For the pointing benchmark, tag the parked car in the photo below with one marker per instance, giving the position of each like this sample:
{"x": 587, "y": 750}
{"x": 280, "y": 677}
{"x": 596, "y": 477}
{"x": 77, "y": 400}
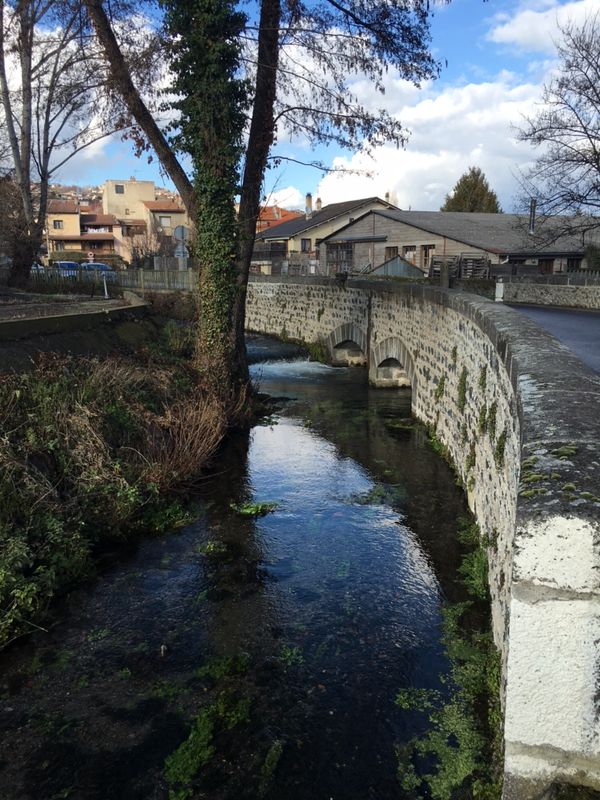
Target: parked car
{"x": 36, "y": 268}
{"x": 67, "y": 269}
{"x": 97, "y": 265}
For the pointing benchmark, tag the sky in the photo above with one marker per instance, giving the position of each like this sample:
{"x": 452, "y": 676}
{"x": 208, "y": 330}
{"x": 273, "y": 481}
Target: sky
{"x": 495, "y": 56}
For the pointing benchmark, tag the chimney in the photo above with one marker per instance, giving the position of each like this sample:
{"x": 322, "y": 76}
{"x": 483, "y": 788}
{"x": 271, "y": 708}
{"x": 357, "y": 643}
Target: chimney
{"x": 308, "y": 208}
{"x": 532, "y": 205}
{"x": 318, "y": 203}
{"x": 387, "y": 197}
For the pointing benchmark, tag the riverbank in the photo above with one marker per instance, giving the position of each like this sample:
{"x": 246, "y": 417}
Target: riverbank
{"x": 93, "y": 452}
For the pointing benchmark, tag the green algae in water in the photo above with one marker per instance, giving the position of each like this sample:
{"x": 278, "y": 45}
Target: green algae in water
{"x": 458, "y": 739}
{"x": 185, "y": 763}
{"x": 253, "y": 509}
{"x": 182, "y": 766}
{"x": 269, "y": 766}
{"x": 218, "y": 668}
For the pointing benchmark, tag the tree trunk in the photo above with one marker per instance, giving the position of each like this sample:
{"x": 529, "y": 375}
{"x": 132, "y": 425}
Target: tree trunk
{"x": 136, "y": 106}
{"x": 260, "y": 139}
{"x": 24, "y": 251}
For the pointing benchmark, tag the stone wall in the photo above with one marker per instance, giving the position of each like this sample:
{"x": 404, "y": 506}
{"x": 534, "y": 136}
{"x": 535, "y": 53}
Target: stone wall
{"x": 520, "y": 416}
{"x": 543, "y": 294}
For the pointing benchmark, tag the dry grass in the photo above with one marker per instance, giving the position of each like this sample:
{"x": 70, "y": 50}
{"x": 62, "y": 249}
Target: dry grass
{"x": 182, "y": 441}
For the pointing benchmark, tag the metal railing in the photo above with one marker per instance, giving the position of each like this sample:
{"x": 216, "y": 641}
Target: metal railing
{"x": 144, "y": 280}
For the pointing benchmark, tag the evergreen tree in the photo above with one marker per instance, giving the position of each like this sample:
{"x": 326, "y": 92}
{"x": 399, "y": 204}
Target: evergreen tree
{"x": 472, "y": 193}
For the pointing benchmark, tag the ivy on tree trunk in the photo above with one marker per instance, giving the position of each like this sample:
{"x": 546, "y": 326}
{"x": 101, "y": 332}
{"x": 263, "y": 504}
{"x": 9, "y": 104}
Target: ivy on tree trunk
{"x": 206, "y": 60}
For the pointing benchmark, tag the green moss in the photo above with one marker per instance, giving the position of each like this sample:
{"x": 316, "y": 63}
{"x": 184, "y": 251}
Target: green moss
{"x": 589, "y": 496}
{"x": 565, "y": 452}
{"x": 533, "y": 477}
{"x": 482, "y": 421}
{"x": 527, "y": 493}
{"x": 317, "y": 352}
{"x": 439, "y": 389}
{"x": 569, "y": 487}
{"x": 482, "y": 382}
{"x": 462, "y": 389}
{"x": 491, "y": 420}
{"x": 471, "y": 458}
{"x": 499, "y": 450}
{"x": 529, "y": 463}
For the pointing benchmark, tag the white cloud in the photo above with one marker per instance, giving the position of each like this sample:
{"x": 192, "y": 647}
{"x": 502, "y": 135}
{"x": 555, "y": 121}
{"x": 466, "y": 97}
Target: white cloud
{"x": 289, "y": 197}
{"x": 535, "y": 26}
{"x": 451, "y": 130}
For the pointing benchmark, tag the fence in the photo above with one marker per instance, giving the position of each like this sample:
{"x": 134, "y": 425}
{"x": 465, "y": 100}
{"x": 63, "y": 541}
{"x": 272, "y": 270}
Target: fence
{"x": 580, "y": 278}
{"x": 143, "y": 280}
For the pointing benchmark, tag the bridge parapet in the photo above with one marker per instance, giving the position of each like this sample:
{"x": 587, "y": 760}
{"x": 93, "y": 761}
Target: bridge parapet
{"x": 520, "y": 416}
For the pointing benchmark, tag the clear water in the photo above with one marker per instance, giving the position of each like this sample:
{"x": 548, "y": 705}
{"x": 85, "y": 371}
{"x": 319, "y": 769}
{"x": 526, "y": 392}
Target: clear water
{"x": 332, "y": 602}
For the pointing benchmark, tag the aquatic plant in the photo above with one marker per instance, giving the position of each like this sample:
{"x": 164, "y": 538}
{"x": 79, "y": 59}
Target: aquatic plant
{"x": 461, "y": 750}
{"x": 184, "y": 764}
{"x": 253, "y": 509}
{"x": 269, "y": 766}
{"x": 291, "y": 656}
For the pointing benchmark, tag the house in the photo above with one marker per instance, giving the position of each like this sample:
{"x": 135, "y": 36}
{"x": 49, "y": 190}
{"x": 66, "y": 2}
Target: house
{"x": 73, "y": 228}
{"x": 270, "y": 216}
{"x": 147, "y": 221}
{"x": 293, "y": 246}
{"x": 425, "y": 237}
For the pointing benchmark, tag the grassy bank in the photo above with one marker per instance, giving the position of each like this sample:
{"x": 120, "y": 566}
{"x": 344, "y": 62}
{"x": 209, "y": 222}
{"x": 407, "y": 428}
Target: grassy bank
{"x": 92, "y": 452}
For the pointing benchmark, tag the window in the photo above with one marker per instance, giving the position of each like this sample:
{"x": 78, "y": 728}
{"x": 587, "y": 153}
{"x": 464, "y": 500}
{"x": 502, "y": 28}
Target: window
{"x": 573, "y": 264}
{"x": 427, "y": 250}
{"x": 305, "y": 245}
{"x": 390, "y": 252}
{"x": 119, "y": 188}
{"x": 58, "y": 224}
{"x": 410, "y": 252}
{"x": 340, "y": 257}
{"x": 126, "y": 212}
{"x": 164, "y": 222}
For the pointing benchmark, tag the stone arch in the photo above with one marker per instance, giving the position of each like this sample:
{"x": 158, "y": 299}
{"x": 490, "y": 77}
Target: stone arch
{"x": 391, "y": 364}
{"x": 347, "y": 345}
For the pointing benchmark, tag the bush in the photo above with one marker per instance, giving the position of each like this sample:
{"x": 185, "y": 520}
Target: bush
{"x": 88, "y": 453}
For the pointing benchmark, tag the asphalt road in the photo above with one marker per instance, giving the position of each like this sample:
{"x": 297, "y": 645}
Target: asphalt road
{"x": 578, "y": 330}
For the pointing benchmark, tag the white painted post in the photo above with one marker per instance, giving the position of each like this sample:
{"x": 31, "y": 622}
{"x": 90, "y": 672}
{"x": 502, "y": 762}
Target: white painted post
{"x": 499, "y": 291}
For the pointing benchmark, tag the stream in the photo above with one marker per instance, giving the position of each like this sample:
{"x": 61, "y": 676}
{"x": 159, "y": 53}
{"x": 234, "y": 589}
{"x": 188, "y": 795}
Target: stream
{"x": 281, "y": 640}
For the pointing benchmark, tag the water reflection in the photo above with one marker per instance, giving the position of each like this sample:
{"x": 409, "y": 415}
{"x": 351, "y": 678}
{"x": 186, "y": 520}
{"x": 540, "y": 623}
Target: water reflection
{"x": 334, "y": 599}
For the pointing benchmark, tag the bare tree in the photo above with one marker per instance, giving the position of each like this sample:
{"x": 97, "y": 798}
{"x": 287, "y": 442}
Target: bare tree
{"x": 55, "y": 102}
{"x": 565, "y": 178}
{"x": 298, "y": 61}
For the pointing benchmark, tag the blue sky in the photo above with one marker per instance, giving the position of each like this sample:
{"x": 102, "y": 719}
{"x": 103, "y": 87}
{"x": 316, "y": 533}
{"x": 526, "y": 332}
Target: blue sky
{"x": 495, "y": 58}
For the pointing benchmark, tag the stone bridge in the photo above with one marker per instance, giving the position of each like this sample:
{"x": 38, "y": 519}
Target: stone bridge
{"x": 520, "y": 416}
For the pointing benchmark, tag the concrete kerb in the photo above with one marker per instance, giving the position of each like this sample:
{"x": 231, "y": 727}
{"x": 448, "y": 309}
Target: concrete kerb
{"x": 12, "y": 329}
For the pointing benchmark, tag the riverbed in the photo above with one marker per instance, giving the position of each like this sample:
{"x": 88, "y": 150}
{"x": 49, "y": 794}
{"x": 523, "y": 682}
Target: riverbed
{"x": 281, "y": 640}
